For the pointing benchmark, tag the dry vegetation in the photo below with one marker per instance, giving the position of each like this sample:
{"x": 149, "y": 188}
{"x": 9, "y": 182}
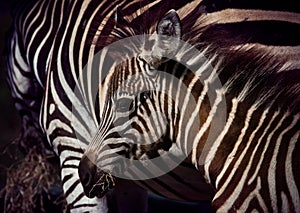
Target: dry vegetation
{"x": 32, "y": 183}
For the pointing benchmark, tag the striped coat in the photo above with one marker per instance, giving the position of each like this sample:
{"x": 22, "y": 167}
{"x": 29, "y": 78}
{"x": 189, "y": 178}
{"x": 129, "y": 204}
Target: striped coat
{"x": 50, "y": 45}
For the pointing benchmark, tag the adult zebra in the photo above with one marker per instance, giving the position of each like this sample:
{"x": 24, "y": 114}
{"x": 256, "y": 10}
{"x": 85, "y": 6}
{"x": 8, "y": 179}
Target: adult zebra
{"x": 237, "y": 123}
{"x": 50, "y": 43}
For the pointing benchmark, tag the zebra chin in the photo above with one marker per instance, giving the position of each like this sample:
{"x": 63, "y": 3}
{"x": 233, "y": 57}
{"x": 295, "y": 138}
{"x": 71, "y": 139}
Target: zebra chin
{"x": 95, "y": 182}
{"x": 103, "y": 183}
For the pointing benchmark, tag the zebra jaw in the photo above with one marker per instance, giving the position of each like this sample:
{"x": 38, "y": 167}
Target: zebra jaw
{"x": 105, "y": 183}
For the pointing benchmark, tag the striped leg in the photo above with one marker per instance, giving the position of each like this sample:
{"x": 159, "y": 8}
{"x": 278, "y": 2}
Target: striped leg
{"x": 27, "y": 95}
{"x": 57, "y": 121}
{"x": 77, "y": 201}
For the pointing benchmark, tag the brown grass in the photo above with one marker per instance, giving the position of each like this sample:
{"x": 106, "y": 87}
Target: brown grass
{"x": 32, "y": 184}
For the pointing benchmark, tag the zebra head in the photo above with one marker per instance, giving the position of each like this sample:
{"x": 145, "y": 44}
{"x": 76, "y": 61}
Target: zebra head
{"x": 136, "y": 109}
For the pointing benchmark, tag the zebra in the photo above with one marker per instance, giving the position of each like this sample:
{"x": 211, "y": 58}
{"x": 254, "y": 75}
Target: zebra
{"x": 48, "y": 47}
{"x": 242, "y": 130}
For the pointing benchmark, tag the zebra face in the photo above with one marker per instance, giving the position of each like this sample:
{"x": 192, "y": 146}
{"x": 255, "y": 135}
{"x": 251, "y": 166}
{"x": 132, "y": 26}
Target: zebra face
{"x": 135, "y": 126}
{"x": 135, "y": 116}
{"x": 135, "y": 112}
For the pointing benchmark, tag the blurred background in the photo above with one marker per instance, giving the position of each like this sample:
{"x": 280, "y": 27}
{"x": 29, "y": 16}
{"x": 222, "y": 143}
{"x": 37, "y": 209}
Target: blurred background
{"x": 9, "y": 119}
{"x": 10, "y": 123}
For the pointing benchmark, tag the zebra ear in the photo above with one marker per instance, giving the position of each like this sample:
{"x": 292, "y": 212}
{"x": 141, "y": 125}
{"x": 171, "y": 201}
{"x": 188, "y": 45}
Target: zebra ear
{"x": 169, "y": 25}
{"x": 119, "y": 20}
{"x": 122, "y": 28}
{"x": 167, "y": 40}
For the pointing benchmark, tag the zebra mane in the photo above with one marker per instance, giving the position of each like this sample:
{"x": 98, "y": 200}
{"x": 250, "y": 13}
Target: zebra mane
{"x": 265, "y": 71}
{"x": 240, "y": 49}
{"x": 244, "y": 53}
{"x": 135, "y": 19}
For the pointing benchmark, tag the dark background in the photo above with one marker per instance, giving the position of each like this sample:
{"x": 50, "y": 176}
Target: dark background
{"x": 9, "y": 119}
{"x": 10, "y": 123}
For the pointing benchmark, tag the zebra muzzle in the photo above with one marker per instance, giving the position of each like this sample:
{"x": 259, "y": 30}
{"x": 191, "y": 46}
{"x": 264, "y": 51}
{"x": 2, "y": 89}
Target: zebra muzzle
{"x": 104, "y": 183}
{"x": 95, "y": 182}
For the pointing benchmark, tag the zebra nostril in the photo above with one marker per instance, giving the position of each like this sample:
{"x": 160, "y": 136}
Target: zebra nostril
{"x": 95, "y": 182}
{"x": 87, "y": 170}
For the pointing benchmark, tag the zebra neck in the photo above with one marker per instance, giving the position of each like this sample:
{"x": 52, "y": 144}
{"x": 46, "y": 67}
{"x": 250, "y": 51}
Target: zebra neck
{"x": 249, "y": 134}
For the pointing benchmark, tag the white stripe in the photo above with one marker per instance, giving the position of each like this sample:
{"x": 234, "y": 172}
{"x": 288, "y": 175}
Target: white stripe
{"x": 273, "y": 164}
{"x": 49, "y": 57}
{"x": 88, "y": 71}
{"x": 238, "y": 189}
{"x": 80, "y": 108}
{"x": 291, "y": 183}
{"x": 101, "y": 205}
{"x": 162, "y": 118}
{"x": 193, "y": 117}
{"x": 32, "y": 21}
{"x": 140, "y": 11}
{"x": 75, "y": 123}
{"x": 37, "y": 53}
{"x": 91, "y": 55}
{"x": 285, "y": 203}
{"x": 107, "y": 158}
{"x": 212, "y": 152}
{"x": 157, "y": 117}
{"x": 36, "y": 29}
{"x": 205, "y": 126}
{"x": 75, "y": 30}
{"x": 187, "y": 8}
{"x": 233, "y": 153}
{"x": 185, "y": 104}
{"x": 17, "y": 54}
{"x": 255, "y": 194}
{"x": 195, "y": 113}
{"x": 17, "y": 80}
{"x": 44, "y": 106}
{"x": 177, "y": 104}
{"x": 238, "y": 142}
{"x": 56, "y": 123}
{"x": 171, "y": 90}
{"x": 68, "y": 141}
{"x": 60, "y": 49}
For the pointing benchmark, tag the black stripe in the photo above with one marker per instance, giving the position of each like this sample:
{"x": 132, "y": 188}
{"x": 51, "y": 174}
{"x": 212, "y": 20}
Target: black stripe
{"x": 59, "y": 131}
{"x": 170, "y": 189}
{"x": 70, "y": 190}
{"x": 182, "y": 181}
{"x": 68, "y": 166}
{"x": 160, "y": 183}
{"x": 61, "y": 148}
{"x": 66, "y": 178}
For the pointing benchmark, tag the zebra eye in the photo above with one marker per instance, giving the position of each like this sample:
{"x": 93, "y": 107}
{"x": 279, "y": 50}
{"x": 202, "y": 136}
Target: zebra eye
{"x": 144, "y": 96}
{"x": 124, "y": 105}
